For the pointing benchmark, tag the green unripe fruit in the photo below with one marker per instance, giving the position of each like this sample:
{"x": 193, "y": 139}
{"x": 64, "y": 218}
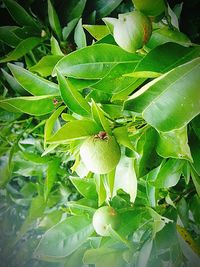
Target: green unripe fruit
{"x": 132, "y": 31}
{"x": 100, "y": 153}
{"x": 103, "y": 217}
{"x": 150, "y": 8}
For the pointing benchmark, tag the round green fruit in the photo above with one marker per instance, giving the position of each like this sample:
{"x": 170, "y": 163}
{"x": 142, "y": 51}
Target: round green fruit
{"x": 100, "y": 153}
{"x": 103, "y": 217}
{"x": 150, "y": 8}
{"x": 132, "y": 31}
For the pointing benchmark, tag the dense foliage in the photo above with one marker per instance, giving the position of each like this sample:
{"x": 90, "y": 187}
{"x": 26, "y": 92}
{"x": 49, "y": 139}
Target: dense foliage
{"x": 100, "y": 134}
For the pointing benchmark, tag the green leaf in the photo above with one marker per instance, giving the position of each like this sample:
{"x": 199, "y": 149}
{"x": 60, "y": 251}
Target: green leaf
{"x": 74, "y": 9}
{"x": 55, "y": 48}
{"x": 169, "y": 173}
{"x": 22, "y": 48}
{"x": 104, "y": 7}
{"x": 121, "y": 134}
{"x": 69, "y": 28}
{"x": 170, "y": 56}
{"x": 125, "y": 169}
{"x": 165, "y": 35}
{"x": 8, "y": 36}
{"x": 51, "y": 176}
{"x": 33, "y": 83}
{"x": 86, "y": 187}
{"x": 45, "y": 65}
{"x": 194, "y": 143}
{"x": 71, "y": 97}
{"x": 14, "y": 84}
{"x": 73, "y": 130}
{"x": 33, "y": 105}
{"x": 49, "y": 126}
{"x": 102, "y": 257}
{"x": 93, "y": 62}
{"x": 99, "y": 117}
{"x": 36, "y": 211}
{"x": 100, "y": 188}
{"x": 54, "y": 20}
{"x": 97, "y": 31}
{"x": 64, "y": 238}
{"x": 174, "y": 144}
{"x": 114, "y": 82}
{"x": 79, "y": 35}
{"x": 145, "y": 147}
{"x": 176, "y": 91}
{"x": 196, "y": 181}
{"x": 19, "y": 14}
{"x": 144, "y": 254}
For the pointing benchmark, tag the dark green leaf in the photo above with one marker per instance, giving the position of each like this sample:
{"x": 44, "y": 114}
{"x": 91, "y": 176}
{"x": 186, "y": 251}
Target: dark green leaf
{"x": 22, "y": 48}
{"x": 54, "y": 20}
{"x": 19, "y": 14}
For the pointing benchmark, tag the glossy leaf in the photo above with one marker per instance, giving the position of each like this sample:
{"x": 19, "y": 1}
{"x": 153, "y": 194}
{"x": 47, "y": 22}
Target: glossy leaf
{"x": 79, "y": 35}
{"x": 73, "y": 130}
{"x": 174, "y": 144}
{"x": 14, "y": 84}
{"x": 19, "y": 14}
{"x": 45, "y": 65}
{"x": 86, "y": 187}
{"x": 55, "y": 48}
{"x": 33, "y": 105}
{"x": 22, "y": 48}
{"x": 175, "y": 91}
{"x": 114, "y": 82}
{"x": 64, "y": 238}
{"x": 93, "y": 62}
{"x": 99, "y": 117}
{"x": 49, "y": 126}
{"x": 54, "y": 20}
{"x": 33, "y": 83}
{"x": 148, "y": 158}
{"x": 97, "y": 31}
{"x": 121, "y": 134}
{"x": 69, "y": 28}
{"x": 104, "y": 7}
{"x": 100, "y": 188}
{"x": 75, "y": 9}
{"x": 170, "y": 56}
{"x": 71, "y": 97}
{"x": 169, "y": 173}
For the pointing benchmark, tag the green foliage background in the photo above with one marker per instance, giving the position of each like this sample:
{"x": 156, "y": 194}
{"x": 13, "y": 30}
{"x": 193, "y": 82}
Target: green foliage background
{"x": 63, "y": 79}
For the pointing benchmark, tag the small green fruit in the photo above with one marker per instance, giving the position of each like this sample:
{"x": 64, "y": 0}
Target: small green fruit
{"x": 100, "y": 153}
{"x": 150, "y": 8}
{"x": 132, "y": 31}
{"x": 103, "y": 217}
